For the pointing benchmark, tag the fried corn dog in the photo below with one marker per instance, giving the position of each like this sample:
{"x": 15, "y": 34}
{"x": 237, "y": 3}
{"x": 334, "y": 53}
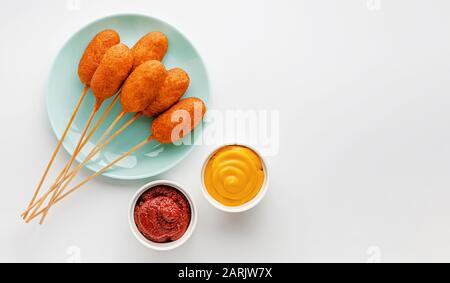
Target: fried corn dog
{"x": 179, "y": 120}
{"x": 94, "y": 52}
{"x": 152, "y": 46}
{"x": 142, "y": 86}
{"x": 113, "y": 70}
{"x": 174, "y": 87}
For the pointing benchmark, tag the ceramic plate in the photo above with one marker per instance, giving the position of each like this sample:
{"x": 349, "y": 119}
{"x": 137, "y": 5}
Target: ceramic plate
{"x": 65, "y": 88}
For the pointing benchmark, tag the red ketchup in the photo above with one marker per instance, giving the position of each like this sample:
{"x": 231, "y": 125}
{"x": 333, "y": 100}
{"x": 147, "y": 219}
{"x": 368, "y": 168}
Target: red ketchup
{"x": 162, "y": 214}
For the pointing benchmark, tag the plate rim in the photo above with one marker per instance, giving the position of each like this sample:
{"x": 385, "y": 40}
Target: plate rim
{"x": 59, "y": 134}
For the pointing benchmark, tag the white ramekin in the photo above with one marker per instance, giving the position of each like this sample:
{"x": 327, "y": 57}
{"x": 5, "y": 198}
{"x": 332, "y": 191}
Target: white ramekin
{"x": 247, "y": 206}
{"x": 162, "y": 246}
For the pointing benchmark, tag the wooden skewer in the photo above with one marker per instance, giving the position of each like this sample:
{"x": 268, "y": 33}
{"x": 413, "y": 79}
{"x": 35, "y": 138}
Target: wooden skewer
{"x": 90, "y": 155}
{"x": 63, "y": 173}
{"x": 77, "y": 148}
{"x": 87, "y": 159}
{"x": 69, "y": 124}
{"x": 100, "y": 144}
{"x": 61, "y": 197}
{"x": 82, "y": 142}
{"x": 81, "y": 146}
{"x": 99, "y": 147}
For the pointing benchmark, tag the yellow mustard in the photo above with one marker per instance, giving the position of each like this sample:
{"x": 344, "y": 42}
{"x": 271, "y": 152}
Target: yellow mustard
{"x": 234, "y": 175}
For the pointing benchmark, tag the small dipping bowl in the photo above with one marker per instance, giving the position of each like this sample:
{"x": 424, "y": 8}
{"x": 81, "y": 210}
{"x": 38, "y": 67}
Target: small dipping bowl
{"x": 243, "y": 207}
{"x": 169, "y": 245}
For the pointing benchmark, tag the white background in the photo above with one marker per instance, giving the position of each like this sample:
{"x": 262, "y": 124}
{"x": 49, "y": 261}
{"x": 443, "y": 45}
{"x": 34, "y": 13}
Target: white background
{"x": 362, "y": 173}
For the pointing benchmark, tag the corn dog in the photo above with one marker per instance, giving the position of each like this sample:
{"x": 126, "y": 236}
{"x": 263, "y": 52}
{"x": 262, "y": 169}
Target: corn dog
{"x": 112, "y": 72}
{"x": 171, "y": 126}
{"x": 174, "y": 87}
{"x": 142, "y": 86}
{"x": 94, "y": 52}
{"x": 152, "y": 46}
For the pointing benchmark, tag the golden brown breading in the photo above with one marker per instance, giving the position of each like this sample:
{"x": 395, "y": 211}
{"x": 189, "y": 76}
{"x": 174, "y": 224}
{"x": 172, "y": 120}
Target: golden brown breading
{"x": 174, "y": 87}
{"x": 152, "y": 46}
{"x": 173, "y": 125}
{"x": 94, "y": 52}
{"x": 142, "y": 86}
{"x": 112, "y": 72}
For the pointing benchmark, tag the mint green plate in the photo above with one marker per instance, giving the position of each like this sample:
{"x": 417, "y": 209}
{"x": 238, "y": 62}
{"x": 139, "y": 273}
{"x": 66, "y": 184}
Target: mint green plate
{"x": 64, "y": 89}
